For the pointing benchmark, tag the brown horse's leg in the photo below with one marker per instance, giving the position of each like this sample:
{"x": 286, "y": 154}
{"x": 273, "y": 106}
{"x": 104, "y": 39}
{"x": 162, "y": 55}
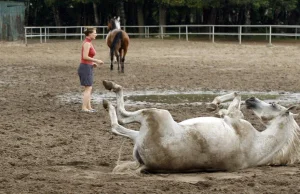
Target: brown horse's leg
{"x": 123, "y": 59}
{"x": 117, "y": 53}
{"x": 111, "y": 59}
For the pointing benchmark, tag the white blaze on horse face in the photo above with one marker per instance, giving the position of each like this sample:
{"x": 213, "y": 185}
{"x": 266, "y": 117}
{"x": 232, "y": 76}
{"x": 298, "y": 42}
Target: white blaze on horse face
{"x": 117, "y": 23}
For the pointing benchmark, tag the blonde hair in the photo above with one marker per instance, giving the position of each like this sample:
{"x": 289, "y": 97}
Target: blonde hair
{"x": 88, "y": 30}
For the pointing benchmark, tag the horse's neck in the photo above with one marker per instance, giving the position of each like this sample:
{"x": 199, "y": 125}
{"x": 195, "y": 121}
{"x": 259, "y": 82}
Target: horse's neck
{"x": 277, "y": 143}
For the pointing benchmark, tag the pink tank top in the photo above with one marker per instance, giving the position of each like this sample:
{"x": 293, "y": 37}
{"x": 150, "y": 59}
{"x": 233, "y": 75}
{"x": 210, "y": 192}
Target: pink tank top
{"x": 92, "y": 52}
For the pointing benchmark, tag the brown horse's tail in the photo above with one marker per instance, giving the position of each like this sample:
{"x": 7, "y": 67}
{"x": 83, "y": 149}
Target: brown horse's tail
{"x": 117, "y": 38}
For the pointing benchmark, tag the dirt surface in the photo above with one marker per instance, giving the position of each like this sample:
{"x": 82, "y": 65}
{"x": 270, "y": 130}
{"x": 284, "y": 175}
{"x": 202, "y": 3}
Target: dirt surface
{"x": 49, "y": 146}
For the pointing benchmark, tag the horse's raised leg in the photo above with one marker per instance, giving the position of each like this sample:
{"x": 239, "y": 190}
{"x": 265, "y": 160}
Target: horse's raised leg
{"x": 233, "y": 109}
{"x": 115, "y": 127}
{"x": 124, "y": 116}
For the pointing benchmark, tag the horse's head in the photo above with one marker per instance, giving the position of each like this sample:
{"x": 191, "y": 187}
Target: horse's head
{"x": 267, "y": 111}
{"x": 114, "y": 23}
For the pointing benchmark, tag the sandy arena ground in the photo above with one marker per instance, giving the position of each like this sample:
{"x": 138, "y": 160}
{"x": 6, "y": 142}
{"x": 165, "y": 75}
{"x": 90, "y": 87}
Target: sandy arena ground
{"x": 49, "y": 146}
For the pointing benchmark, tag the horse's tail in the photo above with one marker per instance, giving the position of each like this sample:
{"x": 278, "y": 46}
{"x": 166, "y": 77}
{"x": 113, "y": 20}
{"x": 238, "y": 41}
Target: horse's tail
{"x": 117, "y": 38}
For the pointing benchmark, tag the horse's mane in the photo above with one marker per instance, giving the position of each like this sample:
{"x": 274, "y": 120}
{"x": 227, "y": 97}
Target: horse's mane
{"x": 290, "y": 152}
{"x": 113, "y": 24}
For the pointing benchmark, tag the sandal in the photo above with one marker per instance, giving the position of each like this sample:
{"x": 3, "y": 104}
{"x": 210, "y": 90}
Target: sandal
{"x": 92, "y": 110}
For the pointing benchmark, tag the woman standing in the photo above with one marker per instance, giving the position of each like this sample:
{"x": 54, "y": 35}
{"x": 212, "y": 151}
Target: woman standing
{"x": 85, "y": 70}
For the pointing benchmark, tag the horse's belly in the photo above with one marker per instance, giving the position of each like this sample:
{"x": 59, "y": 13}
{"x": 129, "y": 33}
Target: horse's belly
{"x": 190, "y": 160}
{"x": 193, "y": 149}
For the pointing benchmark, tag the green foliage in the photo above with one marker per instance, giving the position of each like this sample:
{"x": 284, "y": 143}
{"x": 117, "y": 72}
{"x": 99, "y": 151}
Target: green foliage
{"x": 194, "y": 3}
{"x": 178, "y": 11}
{"x": 287, "y": 5}
{"x": 212, "y": 3}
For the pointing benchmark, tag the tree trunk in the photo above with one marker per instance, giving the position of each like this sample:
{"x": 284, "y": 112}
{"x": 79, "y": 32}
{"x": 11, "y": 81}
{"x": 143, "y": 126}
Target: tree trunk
{"x": 241, "y": 16}
{"x": 247, "y": 18}
{"x": 35, "y": 17}
{"x": 96, "y": 17}
{"x": 162, "y": 17}
{"x": 212, "y": 16}
{"x": 121, "y": 13}
{"x": 56, "y": 17}
{"x": 140, "y": 18}
{"x": 79, "y": 18}
{"x": 27, "y": 9}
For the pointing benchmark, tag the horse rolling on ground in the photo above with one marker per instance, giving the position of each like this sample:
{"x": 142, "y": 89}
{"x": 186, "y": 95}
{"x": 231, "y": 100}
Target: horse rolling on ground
{"x": 206, "y": 143}
{"x": 118, "y": 41}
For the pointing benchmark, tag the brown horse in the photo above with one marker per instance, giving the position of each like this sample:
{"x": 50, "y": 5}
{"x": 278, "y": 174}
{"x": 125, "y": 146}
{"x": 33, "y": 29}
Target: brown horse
{"x": 118, "y": 41}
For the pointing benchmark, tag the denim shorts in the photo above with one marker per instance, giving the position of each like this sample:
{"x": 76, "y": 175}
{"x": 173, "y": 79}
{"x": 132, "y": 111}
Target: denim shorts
{"x": 85, "y": 73}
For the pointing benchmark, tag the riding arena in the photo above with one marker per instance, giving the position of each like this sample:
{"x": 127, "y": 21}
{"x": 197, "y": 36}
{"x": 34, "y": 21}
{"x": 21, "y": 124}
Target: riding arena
{"x": 49, "y": 146}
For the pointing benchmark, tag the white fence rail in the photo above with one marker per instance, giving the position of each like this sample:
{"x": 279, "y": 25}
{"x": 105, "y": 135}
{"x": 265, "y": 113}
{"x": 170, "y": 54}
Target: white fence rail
{"x": 182, "y": 31}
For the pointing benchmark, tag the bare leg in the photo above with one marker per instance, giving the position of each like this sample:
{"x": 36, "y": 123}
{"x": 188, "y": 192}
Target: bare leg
{"x": 86, "y": 101}
{"x": 116, "y": 128}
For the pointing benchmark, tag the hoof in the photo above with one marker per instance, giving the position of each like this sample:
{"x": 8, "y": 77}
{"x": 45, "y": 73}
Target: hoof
{"x": 211, "y": 107}
{"x": 105, "y": 104}
{"x": 108, "y": 85}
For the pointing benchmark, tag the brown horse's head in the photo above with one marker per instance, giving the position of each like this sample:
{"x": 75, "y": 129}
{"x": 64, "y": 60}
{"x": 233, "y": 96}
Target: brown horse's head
{"x": 113, "y": 23}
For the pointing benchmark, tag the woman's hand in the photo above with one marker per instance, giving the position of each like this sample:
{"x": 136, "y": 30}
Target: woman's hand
{"x": 98, "y": 62}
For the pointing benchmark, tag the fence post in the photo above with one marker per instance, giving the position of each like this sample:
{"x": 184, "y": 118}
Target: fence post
{"x": 25, "y": 36}
{"x": 161, "y": 32}
{"x": 296, "y": 32}
{"x": 81, "y": 33}
{"x": 45, "y": 35}
{"x": 65, "y": 33}
{"x": 41, "y": 38}
{"x": 270, "y": 36}
{"x": 186, "y": 33}
{"x": 179, "y": 32}
{"x": 213, "y": 34}
{"x": 240, "y": 34}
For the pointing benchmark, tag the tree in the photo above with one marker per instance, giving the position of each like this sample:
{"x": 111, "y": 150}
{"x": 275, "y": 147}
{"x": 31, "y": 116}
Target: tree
{"x": 140, "y": 14}
{"x": 54, "y": 5}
